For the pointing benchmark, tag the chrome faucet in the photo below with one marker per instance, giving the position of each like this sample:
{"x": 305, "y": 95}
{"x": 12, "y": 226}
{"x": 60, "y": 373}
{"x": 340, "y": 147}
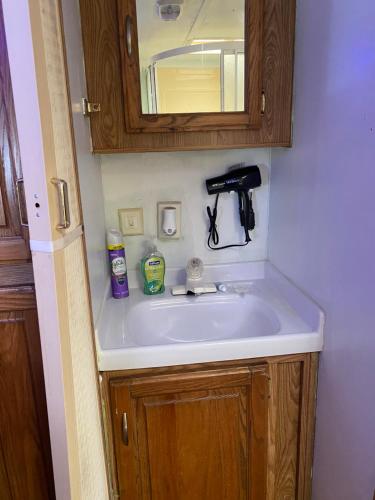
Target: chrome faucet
{"x": 194, "y": 280}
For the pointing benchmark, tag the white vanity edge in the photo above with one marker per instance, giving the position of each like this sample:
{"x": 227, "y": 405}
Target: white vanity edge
{"x": 201, "y": 352}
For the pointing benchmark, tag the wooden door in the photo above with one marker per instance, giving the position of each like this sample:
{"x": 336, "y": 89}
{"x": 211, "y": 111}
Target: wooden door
{"x": 44, "y": 121}
{"x": 14, "y": 243}
{"x": 25, "y": 459}
{"x": 200, "y": 435}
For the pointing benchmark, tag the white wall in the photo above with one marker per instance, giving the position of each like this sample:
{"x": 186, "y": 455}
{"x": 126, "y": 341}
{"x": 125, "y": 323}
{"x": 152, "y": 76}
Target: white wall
{"x": 141, "y": 180}
{"x": 322, "y": 229}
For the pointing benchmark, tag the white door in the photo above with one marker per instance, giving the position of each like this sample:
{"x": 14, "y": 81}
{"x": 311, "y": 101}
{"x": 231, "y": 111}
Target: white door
{"x": 38, "y": 69}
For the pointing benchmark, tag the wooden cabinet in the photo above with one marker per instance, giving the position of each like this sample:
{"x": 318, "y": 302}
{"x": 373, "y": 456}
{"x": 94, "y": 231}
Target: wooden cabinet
{"x": 13, "y": 218}
{"x": 25, "y": 459}
{"x": 110, "y": 40}
{"x": 25, "y": 454}
{"x": 237, "y": 430}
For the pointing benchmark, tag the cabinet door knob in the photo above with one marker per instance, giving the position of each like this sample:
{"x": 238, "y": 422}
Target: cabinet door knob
{"x": 62, "y": 191}
{"x": 125, "y": 434}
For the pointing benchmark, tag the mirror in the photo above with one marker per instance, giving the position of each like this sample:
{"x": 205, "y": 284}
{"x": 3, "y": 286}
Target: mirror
{"x": 191, "y": 55}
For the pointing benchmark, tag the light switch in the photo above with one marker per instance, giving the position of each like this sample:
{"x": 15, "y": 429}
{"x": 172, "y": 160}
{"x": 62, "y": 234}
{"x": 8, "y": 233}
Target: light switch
{"x": 131, "y": 221}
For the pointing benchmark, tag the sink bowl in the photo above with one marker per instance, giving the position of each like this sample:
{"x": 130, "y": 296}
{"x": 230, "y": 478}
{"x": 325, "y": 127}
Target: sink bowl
{"x": 256, "y": 313}
{"x": 199, "y": 319}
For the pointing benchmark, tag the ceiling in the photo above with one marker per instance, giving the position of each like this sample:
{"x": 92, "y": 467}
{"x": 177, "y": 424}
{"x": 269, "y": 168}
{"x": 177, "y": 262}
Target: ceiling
{"x": 199, "y": 19}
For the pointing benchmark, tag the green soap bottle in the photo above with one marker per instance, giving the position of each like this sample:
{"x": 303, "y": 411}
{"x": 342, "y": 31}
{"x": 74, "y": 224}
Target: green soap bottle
{"x": 153, "y": 270}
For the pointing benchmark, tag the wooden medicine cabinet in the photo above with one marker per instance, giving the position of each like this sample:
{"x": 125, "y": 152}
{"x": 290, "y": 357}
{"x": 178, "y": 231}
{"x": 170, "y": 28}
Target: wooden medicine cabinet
{"x": 181, "y": 75}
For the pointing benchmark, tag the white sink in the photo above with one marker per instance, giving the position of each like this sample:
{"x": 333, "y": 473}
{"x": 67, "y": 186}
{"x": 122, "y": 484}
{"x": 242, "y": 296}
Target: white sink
{"x": 200, "y": 319}
{"x": 259, "y": 314}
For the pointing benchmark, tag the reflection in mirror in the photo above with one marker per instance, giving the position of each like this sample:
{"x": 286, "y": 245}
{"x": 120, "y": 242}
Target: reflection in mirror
{"x": 191, "y": 55}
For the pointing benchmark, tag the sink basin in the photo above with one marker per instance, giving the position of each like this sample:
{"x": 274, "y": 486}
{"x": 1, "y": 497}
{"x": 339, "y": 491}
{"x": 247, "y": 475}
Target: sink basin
{"x": 199, "y": 319}
{"x": 256, "y": 313}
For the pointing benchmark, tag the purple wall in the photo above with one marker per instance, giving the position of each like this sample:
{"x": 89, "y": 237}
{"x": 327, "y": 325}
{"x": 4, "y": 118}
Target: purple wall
{"x": 322, "y": 229}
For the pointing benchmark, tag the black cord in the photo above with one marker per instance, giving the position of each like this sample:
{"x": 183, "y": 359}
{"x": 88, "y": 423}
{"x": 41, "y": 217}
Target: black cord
{"x": 213, "y": 232}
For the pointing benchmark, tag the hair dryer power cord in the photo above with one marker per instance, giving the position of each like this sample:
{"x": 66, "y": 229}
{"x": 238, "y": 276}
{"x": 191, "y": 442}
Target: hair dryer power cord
{"x": 213, "y": 234}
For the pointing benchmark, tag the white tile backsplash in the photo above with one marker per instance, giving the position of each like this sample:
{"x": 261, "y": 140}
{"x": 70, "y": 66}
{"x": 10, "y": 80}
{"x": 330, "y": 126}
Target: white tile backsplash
{"x": 141, "y": 180}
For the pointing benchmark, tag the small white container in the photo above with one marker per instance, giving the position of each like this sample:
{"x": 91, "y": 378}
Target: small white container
{"x": 169, "y": 224}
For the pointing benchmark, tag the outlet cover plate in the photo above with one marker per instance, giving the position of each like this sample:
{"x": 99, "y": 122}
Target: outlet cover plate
{"x": 131, "y": 221}
{"x": 164, "y": 204}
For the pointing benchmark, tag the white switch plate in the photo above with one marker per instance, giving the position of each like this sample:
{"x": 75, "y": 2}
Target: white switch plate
{"x": 131, "y": 221}
{"x": 161, "y": 206}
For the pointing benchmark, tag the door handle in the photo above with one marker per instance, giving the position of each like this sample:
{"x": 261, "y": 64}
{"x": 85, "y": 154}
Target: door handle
{"x": 21, "y": 206}
{"x": 63, "y": 197}
{"x": 125, "y": 433}
{"x": 128, "y": 34}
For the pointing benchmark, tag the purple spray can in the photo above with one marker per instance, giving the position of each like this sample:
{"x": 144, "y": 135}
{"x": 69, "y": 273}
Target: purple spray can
{"x": 119, "y": 277}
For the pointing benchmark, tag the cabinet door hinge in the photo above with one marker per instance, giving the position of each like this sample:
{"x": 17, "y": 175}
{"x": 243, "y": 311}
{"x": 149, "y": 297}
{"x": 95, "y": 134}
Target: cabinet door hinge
{"x": 89, "y": 107}
{"x": 263, "y": 103}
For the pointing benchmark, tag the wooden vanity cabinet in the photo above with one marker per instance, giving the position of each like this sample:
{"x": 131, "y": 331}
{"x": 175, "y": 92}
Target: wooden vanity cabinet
{"x": 118, "y": 123}
{"x": 240, "y": 430}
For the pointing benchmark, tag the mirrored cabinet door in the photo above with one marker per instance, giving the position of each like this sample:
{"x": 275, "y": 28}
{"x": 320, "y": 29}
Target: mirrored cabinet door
{"x": 174, "y": 75}
{"x": 191, "y": 64}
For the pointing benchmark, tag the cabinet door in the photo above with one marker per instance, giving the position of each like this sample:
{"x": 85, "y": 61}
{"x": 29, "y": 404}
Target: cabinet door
{"x": 196, "y": 115}
{"x": 200, "y": 435}
{"x": 109, "y": 69}
{"x": 25, "y": 459}
{"x": 13, "y": 218}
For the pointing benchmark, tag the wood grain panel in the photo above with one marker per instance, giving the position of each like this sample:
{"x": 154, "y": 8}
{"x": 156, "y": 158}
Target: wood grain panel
{"x": 23, "y": 418}
{"x": 16, "y": 274}
{"x": 284, "y": 430}
{"x": 185, "y": 382}
{"x": 260, "y": 398}
{"x": 14, "y": 249}
{"x": 307, "y": 425}
{"x": 104, "y": 84}
{"x": 13, "y": 236}
{"x": 17, "y": 299}
{"x": 5, "y": 487}
{"x": 127, "y": 457}
{"x": 194, "y": 445}
{"x": 103, "y": 72}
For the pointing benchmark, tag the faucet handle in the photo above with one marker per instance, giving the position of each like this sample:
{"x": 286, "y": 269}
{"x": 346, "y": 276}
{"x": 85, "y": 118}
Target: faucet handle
{"x": 194, "y": 269}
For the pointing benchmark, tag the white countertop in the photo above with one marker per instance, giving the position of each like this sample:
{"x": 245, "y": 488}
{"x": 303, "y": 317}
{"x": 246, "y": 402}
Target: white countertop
{"x": 121, "y": 332}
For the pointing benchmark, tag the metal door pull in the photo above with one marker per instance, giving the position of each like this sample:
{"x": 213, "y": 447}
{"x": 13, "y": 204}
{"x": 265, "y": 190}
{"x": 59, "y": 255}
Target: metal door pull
{"x": 62, "y": 191}
{"x": 23, "y": 221}
{"x": 128, "y": 30}
{"x": 125, "y": 434}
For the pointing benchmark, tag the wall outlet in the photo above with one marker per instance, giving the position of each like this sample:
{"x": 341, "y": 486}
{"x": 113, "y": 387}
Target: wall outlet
{"x": 131, "y": 221}
{"x": 162, "y": 235}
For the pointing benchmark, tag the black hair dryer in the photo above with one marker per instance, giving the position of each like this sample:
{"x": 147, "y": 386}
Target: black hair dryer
{"x": 242, "y": 180}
